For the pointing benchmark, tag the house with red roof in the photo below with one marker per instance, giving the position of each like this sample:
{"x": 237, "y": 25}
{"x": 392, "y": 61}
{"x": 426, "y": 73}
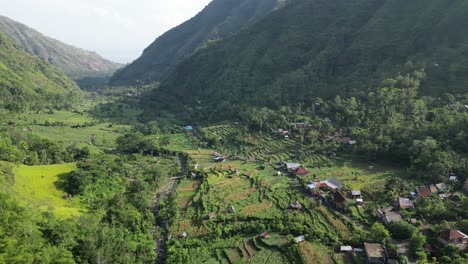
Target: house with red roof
{"x": 302, "y": 171}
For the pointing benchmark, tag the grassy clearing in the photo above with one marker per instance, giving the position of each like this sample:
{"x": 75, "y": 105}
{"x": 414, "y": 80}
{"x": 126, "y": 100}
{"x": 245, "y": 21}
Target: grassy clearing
{"x": 315, "y": 253}
{"x": 357, "y": 175}
{"x": 36, "y": 187}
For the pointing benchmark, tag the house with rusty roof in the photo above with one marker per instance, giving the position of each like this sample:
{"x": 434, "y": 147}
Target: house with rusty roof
{"x": 454, "y": 237}
{"x": 424, "y": 192}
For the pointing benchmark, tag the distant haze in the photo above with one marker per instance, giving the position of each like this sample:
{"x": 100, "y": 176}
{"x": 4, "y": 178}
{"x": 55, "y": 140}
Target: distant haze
{"x": 117, "y": 29}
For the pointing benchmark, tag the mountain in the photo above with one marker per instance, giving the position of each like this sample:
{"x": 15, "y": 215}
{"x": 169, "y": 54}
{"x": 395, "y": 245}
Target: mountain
{"x": 323, "y": 48}
{"x": 29, "y": 82}
{"x": 75, "y": 62}
{"x": 218, "y": 20}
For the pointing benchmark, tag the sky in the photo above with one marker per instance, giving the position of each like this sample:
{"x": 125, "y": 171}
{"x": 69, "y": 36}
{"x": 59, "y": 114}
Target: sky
{"x": 119, "y": 30}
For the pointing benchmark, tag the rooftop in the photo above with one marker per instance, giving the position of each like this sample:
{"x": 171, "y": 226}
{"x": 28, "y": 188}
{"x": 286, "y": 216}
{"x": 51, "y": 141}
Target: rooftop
{"x": 393, "y": 217}
{"x": 333, "y": 183}
{"x": 374, "y": 250}
{"x": 291, "y": 165}
{"x": 302, "y": 171}
{"x": 424, "y": 191}
{"x": 452, "y": 234}
{"x": 299, "y": 239}
{"x": 405, "y": 203}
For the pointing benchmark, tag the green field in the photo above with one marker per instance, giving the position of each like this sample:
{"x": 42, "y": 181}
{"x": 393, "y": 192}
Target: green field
{"x": 36, "y": 187}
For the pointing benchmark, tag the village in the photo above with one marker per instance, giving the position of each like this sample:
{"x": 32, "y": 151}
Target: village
{"x": 343, "y": 201}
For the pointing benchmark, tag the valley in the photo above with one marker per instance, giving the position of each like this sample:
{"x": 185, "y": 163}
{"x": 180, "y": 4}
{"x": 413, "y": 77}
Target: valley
{"x": 302, "y": 131}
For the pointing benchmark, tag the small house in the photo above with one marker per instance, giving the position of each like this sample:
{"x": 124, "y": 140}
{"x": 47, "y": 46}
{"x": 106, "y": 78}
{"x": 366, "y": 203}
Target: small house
{"x": 299, "y": 239}
{"x": 443, "y": 196}
{"x": 189, "y": 128}
{"x": 296, "y": 205}
{"x": 183, "y": 235}
{"x": 453, "y": 237}
{"x": 333, "y": 184}
{"x": 453, "y": 178}
{"x": 300, "y": 125}
{"x": 359, "y": 201}
{"x": 311, "y": 186}
{"x": 387, "y": 215}
{"x": 375, "y": 253}
{"x": 405, "y": 203}
{"x": 219, "y": 159}
{"x": 291, "y": 167}
{"x": 302, "y": 171}
{"x": 346, "y": 249}
{"x": 433, "y": 189}
{"x": 338, "y": 198}
{"x": 392, "y": 217}
{"x": 424, "y": 192}
{"x": 264, "y": 235}
{"x": 441, "y": 187}
{"x": 356, "y": 194}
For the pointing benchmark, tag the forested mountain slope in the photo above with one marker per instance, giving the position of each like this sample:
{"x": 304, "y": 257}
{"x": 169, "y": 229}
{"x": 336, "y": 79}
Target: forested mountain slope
{"x": 75, "y": 62}
{"x": 218, "y": 20}
{"x": 26, "y": 81}
{"x": 322, "y": 48}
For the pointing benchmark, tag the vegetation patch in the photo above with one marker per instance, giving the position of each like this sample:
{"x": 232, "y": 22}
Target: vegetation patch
{"x": 38, "y": 186}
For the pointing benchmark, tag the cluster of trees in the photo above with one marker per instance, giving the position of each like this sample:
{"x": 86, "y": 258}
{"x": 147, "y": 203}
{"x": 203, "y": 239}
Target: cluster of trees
{"x": 33, "y": 150}
{"x": 117, "y": 229}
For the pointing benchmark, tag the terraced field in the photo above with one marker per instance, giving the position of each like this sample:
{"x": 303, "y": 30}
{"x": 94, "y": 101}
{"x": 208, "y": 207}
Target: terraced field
{"x": 265, "y": 148}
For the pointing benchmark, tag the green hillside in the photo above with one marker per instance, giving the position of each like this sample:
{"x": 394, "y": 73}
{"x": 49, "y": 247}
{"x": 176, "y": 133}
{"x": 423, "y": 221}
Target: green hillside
{"x": 26, "y": 81}
{"x": 75, "y": 62}
{"x": 322, "y": 48}
{"x": 218, "y": 20}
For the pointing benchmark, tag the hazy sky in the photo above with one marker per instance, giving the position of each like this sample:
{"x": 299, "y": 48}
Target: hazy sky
{"x": 117, "y": 29}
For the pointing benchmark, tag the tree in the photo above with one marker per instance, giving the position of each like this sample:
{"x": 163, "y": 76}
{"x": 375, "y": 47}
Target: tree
{"x": 379, "y": 233}
{"x": 402, "y": 230}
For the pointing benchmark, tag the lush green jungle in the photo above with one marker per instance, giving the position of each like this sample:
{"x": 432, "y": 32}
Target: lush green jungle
{"x": 312, "y": 132}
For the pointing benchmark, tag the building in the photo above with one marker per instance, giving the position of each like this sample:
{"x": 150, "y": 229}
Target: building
{"x": 453, "y": 237}
{"x": 375, "y": 253}
{"x": 299, "y": 239}
{"x": 424, "y": 192}
{"x": 392, "y": 217}
{"x": 333, "y": 184}
{"x": 433, "y": 189}
{"x": 265, "y": 235}
{"x": 346, "y": 249}
{"x": 356, "y": 194}
{"x": 291, "y": 166}
{"x": 441, "y": 187}
{"x": 405, "y": 203}
{"x": 296, "y": 205}
{"x": 338, "y": 198}
{"x": 302, "y": 171}
{"x": 387, "y": 215}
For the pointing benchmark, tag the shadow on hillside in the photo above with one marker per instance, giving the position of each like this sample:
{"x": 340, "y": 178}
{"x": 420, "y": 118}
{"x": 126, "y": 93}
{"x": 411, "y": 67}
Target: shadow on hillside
{"x": 62, "y": 182}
